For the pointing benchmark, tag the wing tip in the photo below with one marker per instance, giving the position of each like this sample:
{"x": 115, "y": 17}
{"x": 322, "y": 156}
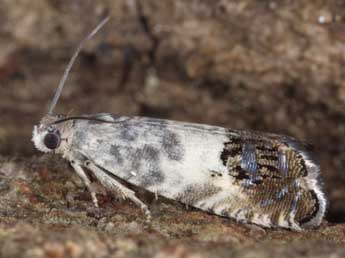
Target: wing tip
{"x": 313, "y": 180}
{"x": 317, "y": 218}
{"x": 315, "y": 184}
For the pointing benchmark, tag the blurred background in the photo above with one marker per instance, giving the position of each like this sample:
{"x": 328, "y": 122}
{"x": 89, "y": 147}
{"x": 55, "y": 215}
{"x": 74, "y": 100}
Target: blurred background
{"x": 274, "y": 66}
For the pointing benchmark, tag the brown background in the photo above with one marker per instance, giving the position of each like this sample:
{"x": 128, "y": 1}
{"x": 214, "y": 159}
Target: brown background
{"x": 274, "y": 66}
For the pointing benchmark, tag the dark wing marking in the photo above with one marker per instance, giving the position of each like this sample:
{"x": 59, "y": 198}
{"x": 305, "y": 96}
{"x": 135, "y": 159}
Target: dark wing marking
{"x": 269, "y": 169}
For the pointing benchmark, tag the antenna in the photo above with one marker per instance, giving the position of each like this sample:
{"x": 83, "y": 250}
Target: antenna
{"x": 71, "y": 62}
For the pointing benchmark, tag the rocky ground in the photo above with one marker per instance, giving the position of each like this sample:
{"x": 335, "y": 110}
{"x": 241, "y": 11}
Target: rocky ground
{"x": 266, "y": 65}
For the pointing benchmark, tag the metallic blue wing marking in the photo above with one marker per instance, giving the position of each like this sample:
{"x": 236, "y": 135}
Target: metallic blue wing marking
{"x": 283, "y": 163}
{"x": 248, "y": 161}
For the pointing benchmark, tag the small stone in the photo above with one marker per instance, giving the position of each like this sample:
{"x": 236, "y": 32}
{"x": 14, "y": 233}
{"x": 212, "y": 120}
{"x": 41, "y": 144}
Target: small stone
{"x": 273, "y": 5}
{"x": 34, "y": 252}
{"x": 176, "y": 252}
{"x": 73, "y": 250}
{"x": 102, "y": 223}
{"x": 255, "y": 231}
{"x": 70, "y": 185}
{"x": 9, "y": 250}
{"x": 126, "y": 245}
{"x": 133, "y": 227}
{"x": 54, "y": 250}
{"x": 151, "y": 81}
{"x": 325, "y": 17}
{"x": 117, "y": 217}
{"x": 109, "y": 227}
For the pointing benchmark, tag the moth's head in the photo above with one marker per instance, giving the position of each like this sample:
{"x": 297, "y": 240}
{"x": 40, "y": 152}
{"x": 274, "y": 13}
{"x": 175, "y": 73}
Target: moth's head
{"x": 47, "y": 135}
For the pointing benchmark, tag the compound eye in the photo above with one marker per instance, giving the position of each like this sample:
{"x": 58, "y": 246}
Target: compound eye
{"x": 52, "y": 140}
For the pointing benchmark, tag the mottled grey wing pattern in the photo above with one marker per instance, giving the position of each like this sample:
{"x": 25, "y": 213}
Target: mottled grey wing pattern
{"x": 271, "y": 170}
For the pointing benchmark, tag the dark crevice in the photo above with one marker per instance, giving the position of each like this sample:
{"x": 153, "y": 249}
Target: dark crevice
{"x": 335, "y": 216}
{"x": 216, "y": 87}
{"x": 152, "y": 111}
{"x": 144, "y": 22}
{"x": 130, "y": 54}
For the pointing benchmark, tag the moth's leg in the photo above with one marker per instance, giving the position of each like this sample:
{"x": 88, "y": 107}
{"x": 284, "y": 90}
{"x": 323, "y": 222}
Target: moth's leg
{"x": 114, "y": 185}
{"x": 86, "y": 181}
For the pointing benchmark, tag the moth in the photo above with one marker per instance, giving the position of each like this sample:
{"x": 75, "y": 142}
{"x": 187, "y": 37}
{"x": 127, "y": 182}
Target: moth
{"x": 252, "y": 177}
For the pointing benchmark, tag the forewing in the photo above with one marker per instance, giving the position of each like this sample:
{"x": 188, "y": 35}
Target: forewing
{"x": 275, "y": 173}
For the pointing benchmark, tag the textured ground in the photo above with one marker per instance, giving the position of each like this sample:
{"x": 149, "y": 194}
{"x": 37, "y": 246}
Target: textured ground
{"x": 265, "y": 65}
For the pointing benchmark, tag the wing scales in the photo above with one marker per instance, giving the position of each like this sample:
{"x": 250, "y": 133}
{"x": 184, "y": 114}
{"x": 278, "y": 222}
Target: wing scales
{"x": 274, "y": 176}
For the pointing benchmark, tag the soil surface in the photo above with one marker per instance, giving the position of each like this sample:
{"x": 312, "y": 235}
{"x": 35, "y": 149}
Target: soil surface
{"x": 274, "y": 66}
